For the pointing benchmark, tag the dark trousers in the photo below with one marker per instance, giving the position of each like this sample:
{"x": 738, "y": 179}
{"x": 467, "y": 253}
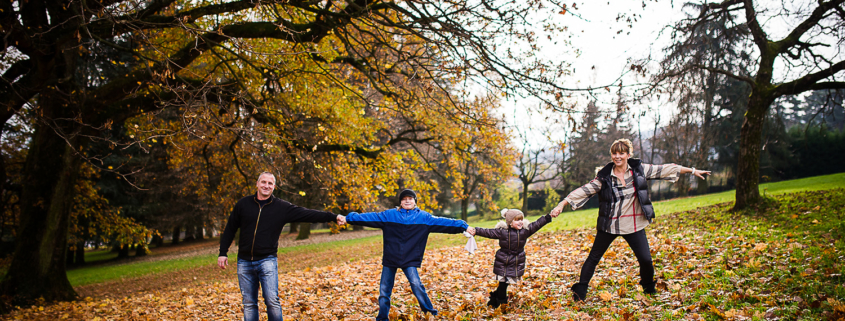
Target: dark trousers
{"x": 638, "y": 243}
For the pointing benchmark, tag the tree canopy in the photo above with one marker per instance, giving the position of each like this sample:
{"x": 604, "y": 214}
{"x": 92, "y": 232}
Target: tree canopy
{"x": 342, "y": 100}
{"x": 777, "y": 49}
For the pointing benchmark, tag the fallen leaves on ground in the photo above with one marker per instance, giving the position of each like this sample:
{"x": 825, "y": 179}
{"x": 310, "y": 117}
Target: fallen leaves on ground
{"x": 708, "y": 265}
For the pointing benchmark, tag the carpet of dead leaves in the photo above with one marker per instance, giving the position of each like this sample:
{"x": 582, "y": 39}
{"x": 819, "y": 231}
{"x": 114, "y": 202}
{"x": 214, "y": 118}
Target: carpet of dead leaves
{"x": 704, "y": 272}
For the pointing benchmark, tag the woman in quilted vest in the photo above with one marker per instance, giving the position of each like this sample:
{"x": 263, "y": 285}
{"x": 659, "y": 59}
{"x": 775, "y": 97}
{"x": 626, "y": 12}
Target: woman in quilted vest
{"x": 624, "y": 209}
{"x": 509, "y": 265}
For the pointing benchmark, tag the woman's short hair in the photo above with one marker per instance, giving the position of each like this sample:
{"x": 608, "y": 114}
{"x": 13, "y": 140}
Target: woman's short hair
{"x": 622, "y": 145}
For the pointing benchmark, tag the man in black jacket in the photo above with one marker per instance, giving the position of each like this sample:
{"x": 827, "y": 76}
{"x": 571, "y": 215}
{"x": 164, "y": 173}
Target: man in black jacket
{"x": 261, "y": 218}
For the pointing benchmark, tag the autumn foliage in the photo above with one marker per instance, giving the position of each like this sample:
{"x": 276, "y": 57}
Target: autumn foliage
{"x": 709, "y": 265}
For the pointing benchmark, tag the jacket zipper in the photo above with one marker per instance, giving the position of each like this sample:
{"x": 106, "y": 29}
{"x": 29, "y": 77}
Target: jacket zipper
{"x": 251, "y": 250}
{"x": 509, "y": 259}
{"x": 516, "y": 267}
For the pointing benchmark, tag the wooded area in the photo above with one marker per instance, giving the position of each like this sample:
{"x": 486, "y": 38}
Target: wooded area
{"x": 128, "y": 122}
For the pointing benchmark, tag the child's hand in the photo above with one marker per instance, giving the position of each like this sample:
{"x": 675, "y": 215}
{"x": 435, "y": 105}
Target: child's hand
{"x": 559, "y": 208}
{"x": 471, "y": 230}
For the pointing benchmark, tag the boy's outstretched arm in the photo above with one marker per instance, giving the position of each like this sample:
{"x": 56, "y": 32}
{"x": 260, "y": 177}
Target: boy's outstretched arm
{"x": 438, "y": 224}
{"x": 371, "y": 219}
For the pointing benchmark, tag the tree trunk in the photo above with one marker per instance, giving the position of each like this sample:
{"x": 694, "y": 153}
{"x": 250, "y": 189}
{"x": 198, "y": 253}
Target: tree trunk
{"x": 141, "y": 249}
{"x": 682, "y": 185}
{"x": 80, "y": 253}
{"x": 294, "y": 228}
{"x": 209, "y": 229}
{"x": 198, "y": 232}
{"x": 38, "y": 264}
{"x": 71, "y": 254}
{"x": 465, "y": 208}
{"x": 304, "y": 230}
{"x": 750, "y": 137}
{"x": 177, "y": 232}
{"x": 158, "y": 240}
{"x": 189, "y": 233}
{"x": 123, "y": 251}
{"x": 524, "y": 197}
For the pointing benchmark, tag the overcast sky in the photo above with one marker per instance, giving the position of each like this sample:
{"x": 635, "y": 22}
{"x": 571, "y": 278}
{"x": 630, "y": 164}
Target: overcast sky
{"x": 595, "y": 42}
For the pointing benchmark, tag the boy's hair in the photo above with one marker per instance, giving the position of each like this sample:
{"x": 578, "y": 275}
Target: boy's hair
{"x": 407, "y": 192}
{"x": 622, "y": 145}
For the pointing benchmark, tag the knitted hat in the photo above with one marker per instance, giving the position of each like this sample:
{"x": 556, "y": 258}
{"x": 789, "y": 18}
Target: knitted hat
{"x": 509, "y": 214}
{"x": 407, "y": 192}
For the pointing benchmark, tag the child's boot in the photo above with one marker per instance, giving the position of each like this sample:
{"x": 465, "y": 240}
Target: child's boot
{"x": 648, "y": 288}
{"x": 579, "y": 292}
{"x": 494, "y": 302}
{"x": 503, "y": 297}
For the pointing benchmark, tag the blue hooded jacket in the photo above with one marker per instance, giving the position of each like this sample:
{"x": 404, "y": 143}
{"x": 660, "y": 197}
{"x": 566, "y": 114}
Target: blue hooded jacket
{"x": 406, "y": 232}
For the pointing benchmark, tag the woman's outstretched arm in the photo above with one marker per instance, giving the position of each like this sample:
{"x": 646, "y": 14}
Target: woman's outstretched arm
{"x": 579, "y": 196}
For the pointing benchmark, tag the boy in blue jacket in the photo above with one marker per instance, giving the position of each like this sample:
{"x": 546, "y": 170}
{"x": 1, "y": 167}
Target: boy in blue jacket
{"x": 406, "y": 232}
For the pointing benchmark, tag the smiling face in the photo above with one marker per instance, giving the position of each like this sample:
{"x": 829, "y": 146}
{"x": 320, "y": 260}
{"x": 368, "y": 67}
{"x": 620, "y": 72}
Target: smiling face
{"x": 408, "y": 203}
{"x": 266, "y": 184}
{"x": 620, "y": 151}
{"x": 620, "y": 159}
{"x": 518, "y": 222}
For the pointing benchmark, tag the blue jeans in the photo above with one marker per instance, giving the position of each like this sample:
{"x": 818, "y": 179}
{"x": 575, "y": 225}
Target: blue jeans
{"x": 388, "y": 275}
{"x": 265, "y": 272}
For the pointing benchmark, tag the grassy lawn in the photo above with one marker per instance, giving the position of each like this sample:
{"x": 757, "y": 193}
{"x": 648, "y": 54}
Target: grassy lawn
{"x": 567, "y": 221}
{"x": 96, "y": 274}
{"x": 587, "y": 218}
{"x": 780, "y": 261}
{"x": 99, "y": 255}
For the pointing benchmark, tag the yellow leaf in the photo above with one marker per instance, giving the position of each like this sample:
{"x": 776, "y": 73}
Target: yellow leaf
{"x": 605, "y": 296}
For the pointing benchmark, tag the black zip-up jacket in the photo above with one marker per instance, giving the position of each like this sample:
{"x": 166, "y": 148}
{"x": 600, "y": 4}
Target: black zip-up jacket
{"x": 261, "y": 225}
{"x": 607, "y": 196}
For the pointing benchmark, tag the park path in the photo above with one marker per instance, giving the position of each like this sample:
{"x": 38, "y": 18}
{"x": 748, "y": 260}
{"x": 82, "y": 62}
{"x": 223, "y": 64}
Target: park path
{"x": 286, "y": 240}
{"x": 210, "y": 272}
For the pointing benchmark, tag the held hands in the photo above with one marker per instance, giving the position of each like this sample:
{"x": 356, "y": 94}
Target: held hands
{"x": 471, "y": 230}
{"x": 222, "y": 262}
{"x": 341, "y": 220}
{"x": 559, "y": 208}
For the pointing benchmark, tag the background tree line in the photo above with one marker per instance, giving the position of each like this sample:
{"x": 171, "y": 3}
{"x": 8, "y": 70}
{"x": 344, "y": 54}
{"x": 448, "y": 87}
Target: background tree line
{"x": 131, "y": 120}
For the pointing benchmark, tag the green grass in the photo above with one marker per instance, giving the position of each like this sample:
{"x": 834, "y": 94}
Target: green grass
{"x": 97, "y": 274}
{"x": 99, "y": 255}
{"x": 567, "y": 220}
{"x": 587, "y": 218}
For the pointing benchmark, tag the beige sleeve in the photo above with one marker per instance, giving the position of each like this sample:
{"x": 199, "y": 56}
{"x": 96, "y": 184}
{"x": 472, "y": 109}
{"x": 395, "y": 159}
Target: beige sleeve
{"x": 668, "y": 172}
{"x": 581, "y": 195}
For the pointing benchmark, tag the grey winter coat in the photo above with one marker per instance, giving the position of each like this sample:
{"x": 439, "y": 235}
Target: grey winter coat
{"x": 510, "y": 258}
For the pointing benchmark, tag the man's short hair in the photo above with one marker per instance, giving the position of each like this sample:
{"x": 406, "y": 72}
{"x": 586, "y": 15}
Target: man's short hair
{"x": 266, "y": 173}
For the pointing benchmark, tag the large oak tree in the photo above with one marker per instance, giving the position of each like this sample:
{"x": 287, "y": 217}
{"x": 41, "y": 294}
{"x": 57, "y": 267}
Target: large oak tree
{"x": 794, "y": 47}
{"x": 239, "y": 71}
